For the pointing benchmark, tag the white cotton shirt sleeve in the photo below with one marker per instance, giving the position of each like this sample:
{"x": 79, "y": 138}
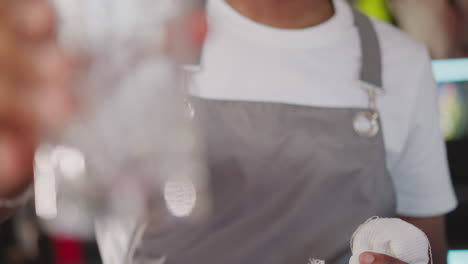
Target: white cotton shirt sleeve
{"x": 421, "y": 176}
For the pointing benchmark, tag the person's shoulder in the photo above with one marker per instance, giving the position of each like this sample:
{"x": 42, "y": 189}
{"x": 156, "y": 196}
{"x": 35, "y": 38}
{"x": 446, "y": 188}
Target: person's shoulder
{"x": 398, "y": 48}
{"x": 406, "y": 68}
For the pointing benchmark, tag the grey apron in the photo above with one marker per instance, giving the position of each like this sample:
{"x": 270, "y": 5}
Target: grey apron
{"x": 289, "y": 182}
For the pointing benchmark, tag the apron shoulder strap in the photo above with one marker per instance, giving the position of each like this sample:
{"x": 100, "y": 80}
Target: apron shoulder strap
{"x": 371, "y": 69}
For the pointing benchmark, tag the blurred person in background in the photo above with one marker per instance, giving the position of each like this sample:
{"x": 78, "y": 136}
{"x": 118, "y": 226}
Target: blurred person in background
{"x": 462, "y": 9}
{"x": 315, "y": 117}
{"x": 437, "y": 23}
{"x": 440, "y": 24}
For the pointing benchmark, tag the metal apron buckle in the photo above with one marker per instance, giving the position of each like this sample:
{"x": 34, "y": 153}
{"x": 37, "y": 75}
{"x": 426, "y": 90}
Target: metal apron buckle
{"x": 366, "y": 122}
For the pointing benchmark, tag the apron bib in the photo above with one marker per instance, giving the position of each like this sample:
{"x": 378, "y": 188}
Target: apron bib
{"x": 290, "y": 183}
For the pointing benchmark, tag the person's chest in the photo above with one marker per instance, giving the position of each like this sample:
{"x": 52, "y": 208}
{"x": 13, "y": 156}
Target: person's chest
{"x": 324, "y": 77}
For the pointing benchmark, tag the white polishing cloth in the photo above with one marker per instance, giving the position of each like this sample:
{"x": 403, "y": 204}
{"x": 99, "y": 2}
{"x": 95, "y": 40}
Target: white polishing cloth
{"x": 393, "y": 237}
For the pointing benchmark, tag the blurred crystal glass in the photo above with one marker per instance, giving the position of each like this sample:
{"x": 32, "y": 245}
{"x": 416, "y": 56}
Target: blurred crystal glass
{"x": 130, "y": 155}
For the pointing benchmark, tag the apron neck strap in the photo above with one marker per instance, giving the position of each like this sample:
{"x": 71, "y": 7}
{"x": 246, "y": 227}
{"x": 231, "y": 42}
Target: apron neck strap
{"x": 371, "y": 69}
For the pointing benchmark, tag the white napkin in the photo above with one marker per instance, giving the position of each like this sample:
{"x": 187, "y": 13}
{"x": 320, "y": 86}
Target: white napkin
{"x": 393, "y": 237}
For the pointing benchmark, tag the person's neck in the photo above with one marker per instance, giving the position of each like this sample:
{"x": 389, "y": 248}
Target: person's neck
{"x": 290, "y": 14}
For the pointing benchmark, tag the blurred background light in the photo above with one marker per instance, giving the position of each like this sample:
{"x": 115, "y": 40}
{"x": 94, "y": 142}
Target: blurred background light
{"x": 457, "y": 257}
{"x": 452, "y": 79}
{"x": 450, "y": 70}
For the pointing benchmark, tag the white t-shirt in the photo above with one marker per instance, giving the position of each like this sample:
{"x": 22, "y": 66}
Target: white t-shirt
{"x": 319, "y": 66}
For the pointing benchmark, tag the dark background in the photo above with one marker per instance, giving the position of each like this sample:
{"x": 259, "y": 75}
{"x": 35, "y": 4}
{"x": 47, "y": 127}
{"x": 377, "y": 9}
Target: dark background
{"x": 457, "y": 222}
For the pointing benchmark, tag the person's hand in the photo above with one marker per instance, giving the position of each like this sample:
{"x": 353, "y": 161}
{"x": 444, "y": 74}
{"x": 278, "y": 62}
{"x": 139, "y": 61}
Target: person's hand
{"x": 374, "y": 258}
{"x": 33, "y": 75}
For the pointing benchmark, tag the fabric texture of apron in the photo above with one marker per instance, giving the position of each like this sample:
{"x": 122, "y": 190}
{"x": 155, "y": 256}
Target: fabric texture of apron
{"x": 290, "y": 183}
